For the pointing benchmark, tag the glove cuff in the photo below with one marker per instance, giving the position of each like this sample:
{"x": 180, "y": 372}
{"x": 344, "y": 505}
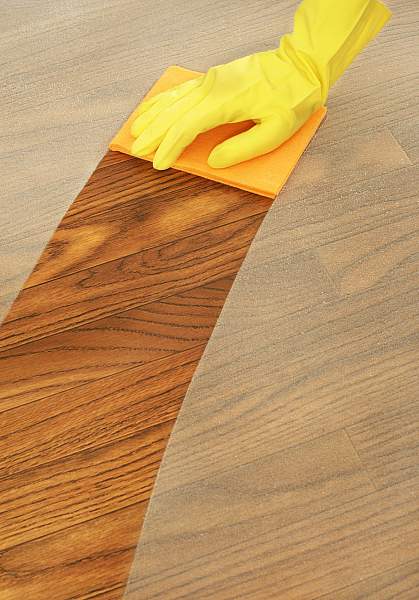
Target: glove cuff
{"x": 328, "y": 35}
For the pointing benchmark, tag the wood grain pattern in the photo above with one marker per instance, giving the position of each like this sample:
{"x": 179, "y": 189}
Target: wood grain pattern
{"x": 88, "y": 237}
{"x": 107, "y": 410}
{"x": 389, "y": 445}
{"x": 128, "y": 282}
{"x": 292, "y": 471}
{"x": 402, "y": 582}
{"x": 295, "y": 560}
{"x": 80, "y": 562}
{"x": 80, "y": 486}
{"x": 107, "y": 346}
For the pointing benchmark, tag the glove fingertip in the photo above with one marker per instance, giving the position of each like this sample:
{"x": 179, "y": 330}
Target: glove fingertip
{"x": 219, "y": 159}
{"x": 164, "y": 158}
{"x": 139, "y": 148}
{"x": 134, "y": 129}
{"x": 162, "y": 164}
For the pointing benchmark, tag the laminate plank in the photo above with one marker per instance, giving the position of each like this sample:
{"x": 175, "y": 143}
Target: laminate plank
{"x": 376, "y": 107}
{"x": 335, "y": 213}
{"x": 294, "y": 484}
{"x": 80, "y": 487}
{"x": 94, "y": 415}
{"x": 266, "y": 556}
{"x": 155, "y": 209}
{"x": 128, "y": 282}
{"x": 389, "y": 445}
{"x": 335, "y": 163}
{"x": 373, "y": 254}
{"x": 107, "y": 346}
{"x": 80, "y": 562}
{"x": 402, "y": 582}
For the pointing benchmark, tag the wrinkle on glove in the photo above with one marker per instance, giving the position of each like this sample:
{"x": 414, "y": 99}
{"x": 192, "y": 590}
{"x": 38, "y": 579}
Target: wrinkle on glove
{"x": 277, "y": 90}
{"x": 329, "y": 34}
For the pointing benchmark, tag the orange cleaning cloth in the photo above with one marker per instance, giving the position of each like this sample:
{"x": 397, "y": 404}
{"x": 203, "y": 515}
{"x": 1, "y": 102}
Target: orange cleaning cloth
{"x": 264, "y": 175}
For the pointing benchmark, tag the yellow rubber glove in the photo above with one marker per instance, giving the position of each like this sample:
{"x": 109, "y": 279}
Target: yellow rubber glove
{"x": 278, "y": 89}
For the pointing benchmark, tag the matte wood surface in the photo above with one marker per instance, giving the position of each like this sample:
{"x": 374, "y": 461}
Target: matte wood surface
{"x": 296, "y": 450}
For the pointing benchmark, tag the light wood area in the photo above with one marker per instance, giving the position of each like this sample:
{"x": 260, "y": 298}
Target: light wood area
{"x": 292, "y": 471}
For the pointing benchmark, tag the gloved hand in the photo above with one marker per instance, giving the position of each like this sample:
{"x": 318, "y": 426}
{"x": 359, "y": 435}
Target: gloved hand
{"x": 278, "y": 89}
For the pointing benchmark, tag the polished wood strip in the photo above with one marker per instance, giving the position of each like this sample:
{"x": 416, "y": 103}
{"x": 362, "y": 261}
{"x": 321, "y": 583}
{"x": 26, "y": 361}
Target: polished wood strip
{"x": 98, "y": 551}
{"x": 89, "y": 236}
{"x": 87, "y": 406}
{"x": 128, "y": 282}
{"x": 107, "y": 346}
{"x": 80, "y": 487}
{"x": 108, "y": 410}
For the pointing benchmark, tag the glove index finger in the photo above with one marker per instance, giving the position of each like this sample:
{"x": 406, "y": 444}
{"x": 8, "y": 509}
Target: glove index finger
{"x": 150, "y": 108}
{"x": 146, "y": 105}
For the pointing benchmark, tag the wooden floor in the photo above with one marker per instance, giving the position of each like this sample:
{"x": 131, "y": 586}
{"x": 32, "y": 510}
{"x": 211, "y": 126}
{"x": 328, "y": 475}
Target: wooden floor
{"x": 293, "y": 469}
{"x": 313, "y": 449}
